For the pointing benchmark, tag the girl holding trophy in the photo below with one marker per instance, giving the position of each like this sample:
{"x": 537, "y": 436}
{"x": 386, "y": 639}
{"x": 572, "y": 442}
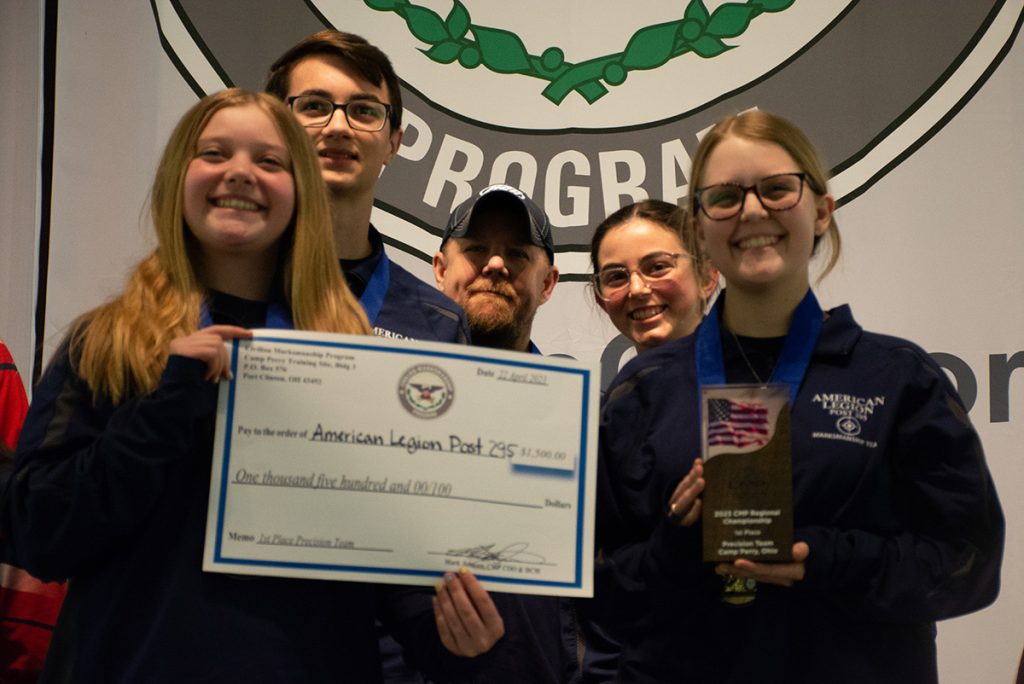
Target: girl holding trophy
{"x": 896, "y": 523}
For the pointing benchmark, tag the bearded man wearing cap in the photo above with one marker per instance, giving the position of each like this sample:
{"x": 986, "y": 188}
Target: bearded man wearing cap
{"x": 496, "y": 261}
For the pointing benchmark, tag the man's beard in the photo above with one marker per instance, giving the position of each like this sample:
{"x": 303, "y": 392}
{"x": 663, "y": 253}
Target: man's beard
{"x": 494, "y": 319}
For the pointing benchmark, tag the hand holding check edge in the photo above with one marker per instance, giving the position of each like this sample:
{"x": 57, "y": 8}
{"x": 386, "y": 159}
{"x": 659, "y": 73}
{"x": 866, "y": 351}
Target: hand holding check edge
{"x": 207, "y": 345}
{"x": 467, "y": 620}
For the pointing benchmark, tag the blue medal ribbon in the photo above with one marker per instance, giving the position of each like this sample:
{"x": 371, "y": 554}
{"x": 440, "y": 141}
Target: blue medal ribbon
{"x": 792, "y": 365}
{"x": 373, "y": 296}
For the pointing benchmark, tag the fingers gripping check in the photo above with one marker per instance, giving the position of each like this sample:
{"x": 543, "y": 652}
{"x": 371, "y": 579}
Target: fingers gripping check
{"x": 467, "y": 620}
{"x": 207, "y": 345}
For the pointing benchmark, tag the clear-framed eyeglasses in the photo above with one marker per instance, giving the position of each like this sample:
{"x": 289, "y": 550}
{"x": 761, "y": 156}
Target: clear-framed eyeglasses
{"x": 613, "y": 282}
{"x": 775, "y": 193}
{"x": 314, "y": 111}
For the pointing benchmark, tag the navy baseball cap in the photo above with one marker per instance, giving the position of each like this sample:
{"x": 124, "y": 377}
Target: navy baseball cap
{"x": 537, "y": 221}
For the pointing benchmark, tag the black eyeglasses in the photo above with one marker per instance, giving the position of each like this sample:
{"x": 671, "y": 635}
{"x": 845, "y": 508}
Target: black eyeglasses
{"x": 314, "y": 111}
{"x": 775, "y": 193}
{"x": 612, "y": 282}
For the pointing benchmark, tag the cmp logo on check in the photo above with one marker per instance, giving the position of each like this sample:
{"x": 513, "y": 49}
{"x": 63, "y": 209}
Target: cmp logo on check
{"x": 426, "y": 391}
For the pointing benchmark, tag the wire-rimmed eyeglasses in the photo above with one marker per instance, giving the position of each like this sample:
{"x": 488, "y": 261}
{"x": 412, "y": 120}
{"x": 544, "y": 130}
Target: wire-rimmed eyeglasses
{"x": 612, "y": 282}
{"x": 314, "y": 111}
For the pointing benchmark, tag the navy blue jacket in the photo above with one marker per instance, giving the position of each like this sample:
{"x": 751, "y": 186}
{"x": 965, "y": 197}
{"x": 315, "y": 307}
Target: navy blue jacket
{"x": 540, "y": 643}
{"x": 412, "y": 309}
{"x": 115, "y": 498}
{"x": 902, "y": 521}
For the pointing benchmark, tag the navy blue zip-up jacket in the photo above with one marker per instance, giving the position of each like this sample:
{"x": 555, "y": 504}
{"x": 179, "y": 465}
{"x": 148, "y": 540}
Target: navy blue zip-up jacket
{"x": 539, "y": 645}
{"x": 412, "y": 309}
{"x": 902, "y": 521}
{"x": 115, "y": 498}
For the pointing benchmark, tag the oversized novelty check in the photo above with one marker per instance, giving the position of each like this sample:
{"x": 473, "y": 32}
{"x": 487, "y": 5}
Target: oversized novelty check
{"x": 365, "y": 459}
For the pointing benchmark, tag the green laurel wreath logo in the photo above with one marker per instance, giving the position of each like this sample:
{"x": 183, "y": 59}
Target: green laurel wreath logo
{"x": 699, "y": 31}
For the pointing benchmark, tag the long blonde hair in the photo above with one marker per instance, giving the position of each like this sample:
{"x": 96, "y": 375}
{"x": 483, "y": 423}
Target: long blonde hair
{"x": 121, "y": 348}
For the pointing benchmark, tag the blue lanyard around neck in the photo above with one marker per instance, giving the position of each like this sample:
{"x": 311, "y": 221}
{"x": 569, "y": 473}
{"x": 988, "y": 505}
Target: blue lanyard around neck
{"x": 373, "y": 296}
{"x": 792, "y": 365}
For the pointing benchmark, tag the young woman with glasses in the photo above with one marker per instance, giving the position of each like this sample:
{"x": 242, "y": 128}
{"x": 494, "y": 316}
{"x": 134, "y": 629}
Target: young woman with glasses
{"x": 653, "y": 281}
{"x": 896, "y": 520}
{"x": 650, "y": 276}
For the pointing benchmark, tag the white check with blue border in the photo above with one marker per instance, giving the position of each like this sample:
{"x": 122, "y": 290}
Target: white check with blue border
{"x": 374, "y": 460}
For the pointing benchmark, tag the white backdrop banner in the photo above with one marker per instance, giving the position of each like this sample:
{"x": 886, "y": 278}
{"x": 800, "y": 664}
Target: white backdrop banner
{"x": 590, "y": 105}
